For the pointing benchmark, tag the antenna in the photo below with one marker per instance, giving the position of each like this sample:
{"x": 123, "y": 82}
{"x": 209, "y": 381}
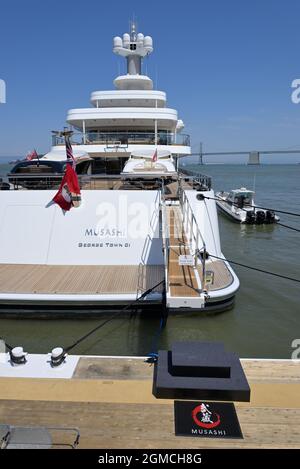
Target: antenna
{"x": 133, "y": 28}
{"x": 254, "y": 182}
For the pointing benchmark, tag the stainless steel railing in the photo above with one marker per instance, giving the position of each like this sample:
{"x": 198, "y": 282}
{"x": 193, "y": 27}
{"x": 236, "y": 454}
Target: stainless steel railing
{"x": 196, "y": 240}
{"x": 165, "y": 231}
{"x": 123, "y": 138}
{"x": 204, "y": 181}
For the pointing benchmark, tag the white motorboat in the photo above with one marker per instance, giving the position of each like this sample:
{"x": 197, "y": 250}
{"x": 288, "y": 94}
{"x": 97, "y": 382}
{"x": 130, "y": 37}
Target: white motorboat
{"x": 141, "y": 222}
{"x": 239, "y": 206}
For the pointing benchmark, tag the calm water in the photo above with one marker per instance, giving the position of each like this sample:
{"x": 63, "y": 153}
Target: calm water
{"x": 266, "y": 316}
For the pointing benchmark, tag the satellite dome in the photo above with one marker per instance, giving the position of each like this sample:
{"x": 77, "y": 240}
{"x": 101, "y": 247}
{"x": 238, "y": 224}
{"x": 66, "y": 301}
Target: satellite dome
{"x": 126, "y": 40}
{"x": 117, "y": 42}
{"x": 148, "y": 43}
{"x": 140, "y": 39}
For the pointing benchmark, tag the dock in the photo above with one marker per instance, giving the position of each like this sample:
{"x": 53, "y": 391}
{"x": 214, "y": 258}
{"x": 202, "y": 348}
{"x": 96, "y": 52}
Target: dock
{"x": 110, "y": 400}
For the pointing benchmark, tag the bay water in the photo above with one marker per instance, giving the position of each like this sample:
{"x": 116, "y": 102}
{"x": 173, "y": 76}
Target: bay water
{"x": 265, "y": 319}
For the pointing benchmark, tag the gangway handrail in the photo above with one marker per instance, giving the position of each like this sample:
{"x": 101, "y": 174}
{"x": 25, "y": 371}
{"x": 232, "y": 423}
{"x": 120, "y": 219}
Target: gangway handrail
{"x": 165, "y": 231}
{"x": 191, "y": 220}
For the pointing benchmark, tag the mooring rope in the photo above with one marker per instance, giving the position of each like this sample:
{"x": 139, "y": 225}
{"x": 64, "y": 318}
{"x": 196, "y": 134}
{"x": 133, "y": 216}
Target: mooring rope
{"x": 85, "y": 336}
{"x": 255, "y": 268}
{"x": 289, "y": 227}
{"x": 88, "y": 334}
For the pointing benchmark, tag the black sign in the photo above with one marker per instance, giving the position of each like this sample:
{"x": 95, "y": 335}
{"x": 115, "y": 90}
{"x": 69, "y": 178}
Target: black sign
{"x": 206, "y": 419}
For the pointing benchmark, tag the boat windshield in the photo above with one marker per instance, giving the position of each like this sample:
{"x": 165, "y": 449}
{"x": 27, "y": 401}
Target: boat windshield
{"x": 246, "y": 196}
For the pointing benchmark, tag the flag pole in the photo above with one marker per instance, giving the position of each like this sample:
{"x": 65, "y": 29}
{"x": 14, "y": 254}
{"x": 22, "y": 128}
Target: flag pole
{"x": 38, "y": 158}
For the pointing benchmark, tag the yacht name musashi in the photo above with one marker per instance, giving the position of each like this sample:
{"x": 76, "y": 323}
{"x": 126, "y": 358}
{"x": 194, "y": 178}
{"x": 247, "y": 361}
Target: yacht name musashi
{"x": 105, "y": 232}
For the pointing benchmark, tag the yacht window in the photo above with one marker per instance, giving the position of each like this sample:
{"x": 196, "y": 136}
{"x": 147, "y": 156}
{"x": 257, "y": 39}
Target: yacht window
{"x": 98, "y": 166}
{"x": 39, "y": 167}
{"x": 113, "y": 166}
{"x": 82, "y": 168}
{"x": 108, "y": 165}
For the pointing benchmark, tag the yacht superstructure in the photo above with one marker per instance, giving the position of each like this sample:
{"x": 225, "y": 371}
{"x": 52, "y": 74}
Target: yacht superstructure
{"x": 141, "y": 221}
{"x": 133, "y": 117}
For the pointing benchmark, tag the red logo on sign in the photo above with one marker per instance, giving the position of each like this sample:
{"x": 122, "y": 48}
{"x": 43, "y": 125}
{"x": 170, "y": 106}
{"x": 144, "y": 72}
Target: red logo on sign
{"x": 208, "y": 419}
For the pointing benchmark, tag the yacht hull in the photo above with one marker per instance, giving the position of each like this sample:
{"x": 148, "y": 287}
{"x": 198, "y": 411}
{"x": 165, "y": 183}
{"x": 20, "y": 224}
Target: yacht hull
{"x": 56, "y": 310}
{"x": 67, "y": 264}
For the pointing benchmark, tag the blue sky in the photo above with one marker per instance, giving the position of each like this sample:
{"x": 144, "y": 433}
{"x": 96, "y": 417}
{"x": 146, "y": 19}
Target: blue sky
{"x": 226, "y": 65}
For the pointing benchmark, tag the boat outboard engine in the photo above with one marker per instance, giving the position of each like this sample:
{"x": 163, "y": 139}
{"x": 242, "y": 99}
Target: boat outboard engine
{"x": 260, "y": 217}
{"x": 270, "y": 216}
{"x": 250, "y": 217}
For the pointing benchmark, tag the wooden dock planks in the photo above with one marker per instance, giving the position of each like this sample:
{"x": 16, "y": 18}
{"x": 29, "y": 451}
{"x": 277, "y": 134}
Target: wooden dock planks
{"x": 111, "y": 402}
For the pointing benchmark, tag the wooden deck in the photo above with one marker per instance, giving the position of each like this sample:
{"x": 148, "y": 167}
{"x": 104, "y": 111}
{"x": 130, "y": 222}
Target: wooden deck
{"x": 111, "y": 401}
{"x": 78, "y": 279}
{"x": 219, "y": 274}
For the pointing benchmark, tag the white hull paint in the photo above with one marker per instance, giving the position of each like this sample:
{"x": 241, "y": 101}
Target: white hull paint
{"x": 60, "y": 236}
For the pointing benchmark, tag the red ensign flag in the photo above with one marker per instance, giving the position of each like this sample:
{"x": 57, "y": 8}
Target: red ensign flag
{"x": 154, "y": 157}
{"x": 69, "y": 186}
{"x": 31, "y": 155}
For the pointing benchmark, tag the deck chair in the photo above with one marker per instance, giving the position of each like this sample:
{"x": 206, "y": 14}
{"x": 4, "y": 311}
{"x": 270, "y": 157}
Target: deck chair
{"x": 4, "y": 432}
{"x": 34, "y": 437}
{"x": 28, "y": 438}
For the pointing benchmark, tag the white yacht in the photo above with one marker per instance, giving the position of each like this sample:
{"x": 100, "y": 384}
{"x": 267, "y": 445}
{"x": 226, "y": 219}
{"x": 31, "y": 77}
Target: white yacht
{"x": 141, "y": 221}
{"x": 239, "y": 206}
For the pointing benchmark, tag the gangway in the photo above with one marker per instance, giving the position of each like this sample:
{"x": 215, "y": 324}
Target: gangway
{"x": 184, "y": 251}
